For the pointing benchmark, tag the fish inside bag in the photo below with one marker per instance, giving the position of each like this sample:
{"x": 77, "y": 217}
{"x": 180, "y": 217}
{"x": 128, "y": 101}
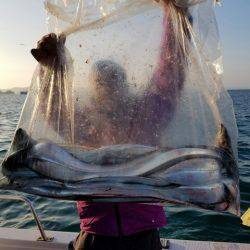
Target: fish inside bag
{"x": 128, "y": 106}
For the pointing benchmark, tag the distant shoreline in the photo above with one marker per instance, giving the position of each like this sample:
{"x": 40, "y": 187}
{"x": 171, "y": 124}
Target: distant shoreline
{"x": 25, "y": 89}
{"x": 15, "y": 90}
{"x": 7, "y": 92}
{"x": 238, "y": 89}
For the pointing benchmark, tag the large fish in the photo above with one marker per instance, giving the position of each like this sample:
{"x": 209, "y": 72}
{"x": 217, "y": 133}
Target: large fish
{"x": 57, "y": 163}
{"x": 202, "y": 176}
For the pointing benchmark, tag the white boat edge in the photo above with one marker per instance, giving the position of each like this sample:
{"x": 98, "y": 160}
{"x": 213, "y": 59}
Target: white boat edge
{"x": 12, "y": 238}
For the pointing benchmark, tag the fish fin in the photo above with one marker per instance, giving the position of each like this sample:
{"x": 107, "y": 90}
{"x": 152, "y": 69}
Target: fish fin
{"x": 223, "y": 139}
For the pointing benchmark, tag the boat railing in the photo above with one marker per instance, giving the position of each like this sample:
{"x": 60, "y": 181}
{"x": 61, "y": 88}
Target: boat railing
{"x": 43, "y": 236}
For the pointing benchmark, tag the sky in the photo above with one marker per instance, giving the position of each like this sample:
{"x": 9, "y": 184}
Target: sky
{"x": 23, "y": 22}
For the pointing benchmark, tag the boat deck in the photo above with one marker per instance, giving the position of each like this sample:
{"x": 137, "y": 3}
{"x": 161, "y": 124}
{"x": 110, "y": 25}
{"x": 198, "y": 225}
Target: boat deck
{"x": 12, "y": 239}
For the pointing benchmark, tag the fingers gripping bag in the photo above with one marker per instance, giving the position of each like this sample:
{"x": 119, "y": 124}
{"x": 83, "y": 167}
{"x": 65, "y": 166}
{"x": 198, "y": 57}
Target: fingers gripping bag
{"x": 127, "y": 104}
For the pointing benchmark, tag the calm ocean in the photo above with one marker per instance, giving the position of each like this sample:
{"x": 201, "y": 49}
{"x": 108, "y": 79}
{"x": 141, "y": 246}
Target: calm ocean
{"x": 183, "y": 223}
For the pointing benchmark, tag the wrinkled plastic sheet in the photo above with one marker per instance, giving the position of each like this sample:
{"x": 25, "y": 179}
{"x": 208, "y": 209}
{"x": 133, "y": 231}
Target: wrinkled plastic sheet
{"x": 133, "y": 109}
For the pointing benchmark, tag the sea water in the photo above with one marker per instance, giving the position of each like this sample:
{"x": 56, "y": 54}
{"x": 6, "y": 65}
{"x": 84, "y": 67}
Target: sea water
{"x": 183, "y": 222}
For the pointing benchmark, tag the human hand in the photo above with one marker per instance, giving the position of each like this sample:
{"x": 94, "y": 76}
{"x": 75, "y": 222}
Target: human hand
{"x": 47, "y": 48}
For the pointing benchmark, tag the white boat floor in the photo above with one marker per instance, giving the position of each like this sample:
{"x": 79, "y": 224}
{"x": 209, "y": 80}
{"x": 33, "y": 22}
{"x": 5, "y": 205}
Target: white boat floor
{"x": 20, "y": 239}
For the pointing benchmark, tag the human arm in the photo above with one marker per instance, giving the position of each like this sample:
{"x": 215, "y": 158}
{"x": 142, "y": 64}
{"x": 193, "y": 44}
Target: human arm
{"x": 54, "y": 97}
{"x": 169, "y": 74}
{"x": 158, "y": 103}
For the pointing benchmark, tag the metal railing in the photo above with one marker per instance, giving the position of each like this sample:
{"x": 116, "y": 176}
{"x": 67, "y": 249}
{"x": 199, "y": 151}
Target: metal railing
{"x": 43, "y": 236}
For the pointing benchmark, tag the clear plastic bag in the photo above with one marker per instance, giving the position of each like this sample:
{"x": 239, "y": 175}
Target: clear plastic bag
{"x": 131, "y": 109}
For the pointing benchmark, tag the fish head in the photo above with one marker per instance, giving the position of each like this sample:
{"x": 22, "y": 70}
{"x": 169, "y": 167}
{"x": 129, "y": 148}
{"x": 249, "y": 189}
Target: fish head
{"x": 15, "y": 160}
{"x": 17, "y": 155}
{"x": 21, "y": 140}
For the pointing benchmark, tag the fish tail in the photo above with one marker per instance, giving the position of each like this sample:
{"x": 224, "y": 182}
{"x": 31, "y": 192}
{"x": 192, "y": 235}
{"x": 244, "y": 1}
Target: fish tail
{"x": 223, "y": 139}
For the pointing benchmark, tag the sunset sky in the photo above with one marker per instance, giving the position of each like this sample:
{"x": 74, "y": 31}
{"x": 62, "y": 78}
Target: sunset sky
{"x": 23, "y": 23}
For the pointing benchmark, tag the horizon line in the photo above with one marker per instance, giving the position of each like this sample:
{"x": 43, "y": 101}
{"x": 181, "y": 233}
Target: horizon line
{"x": 230, "y": 88}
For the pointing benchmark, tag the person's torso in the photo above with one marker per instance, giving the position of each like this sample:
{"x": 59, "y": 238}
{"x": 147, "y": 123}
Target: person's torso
{"x": 115, "y": 219}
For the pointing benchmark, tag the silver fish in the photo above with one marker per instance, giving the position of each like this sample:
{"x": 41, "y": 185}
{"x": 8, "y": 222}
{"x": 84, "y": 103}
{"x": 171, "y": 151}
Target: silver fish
{"x": 56, "y": 163}
{"x": 214, "y": 196}
{"x": 192, "y": 172}
{"x": 199, "y": 176}
{"x": 114, "y": 154}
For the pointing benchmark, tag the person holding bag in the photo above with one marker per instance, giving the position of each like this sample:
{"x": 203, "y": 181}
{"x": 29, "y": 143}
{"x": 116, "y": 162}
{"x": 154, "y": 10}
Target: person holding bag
{"x": 131, "y": 226}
